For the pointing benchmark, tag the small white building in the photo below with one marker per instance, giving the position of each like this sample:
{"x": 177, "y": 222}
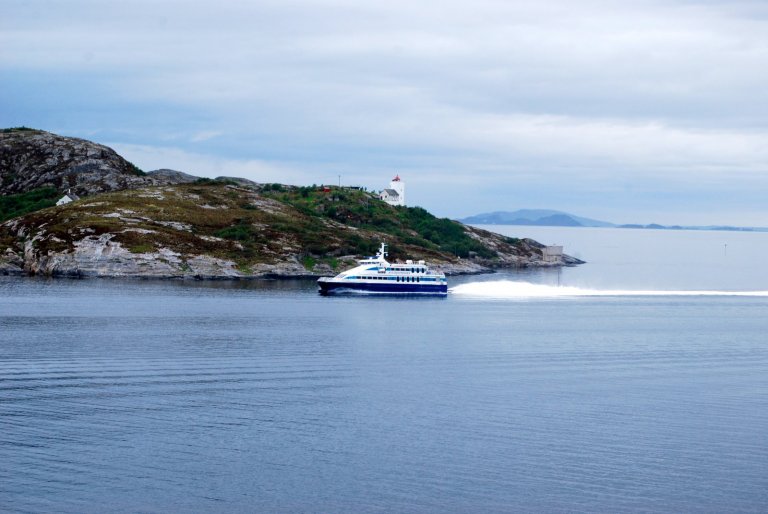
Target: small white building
{"x": 395, "y": 193}
{"x": 68, "y": 197}
{"x": 552, "y": 253}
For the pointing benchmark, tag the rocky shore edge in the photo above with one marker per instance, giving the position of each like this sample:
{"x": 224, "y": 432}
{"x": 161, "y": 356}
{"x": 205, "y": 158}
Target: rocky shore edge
{"x": 101, "y": 257}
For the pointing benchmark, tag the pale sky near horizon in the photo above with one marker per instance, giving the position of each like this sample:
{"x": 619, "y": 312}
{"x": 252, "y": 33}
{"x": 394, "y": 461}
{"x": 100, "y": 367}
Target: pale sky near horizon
{"x": 630, "y": 112}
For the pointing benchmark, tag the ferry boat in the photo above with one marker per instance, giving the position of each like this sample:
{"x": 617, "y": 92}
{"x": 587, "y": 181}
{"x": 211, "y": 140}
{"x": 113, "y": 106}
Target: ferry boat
{"x": 377, "y": 275}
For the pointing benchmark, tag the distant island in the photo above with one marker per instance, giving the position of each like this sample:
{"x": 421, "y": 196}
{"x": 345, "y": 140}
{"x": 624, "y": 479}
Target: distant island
{"x": 71, "y": 207}
{"x": 553, "y": 218}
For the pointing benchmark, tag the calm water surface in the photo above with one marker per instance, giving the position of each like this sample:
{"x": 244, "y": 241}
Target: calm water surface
{"x": 133, "y": 396}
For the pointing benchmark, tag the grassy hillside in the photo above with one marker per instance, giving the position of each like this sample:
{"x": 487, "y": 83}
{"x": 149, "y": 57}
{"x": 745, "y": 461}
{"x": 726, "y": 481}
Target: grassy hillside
{"x": 250, "y": 226}
{"x": 410, "y": 225}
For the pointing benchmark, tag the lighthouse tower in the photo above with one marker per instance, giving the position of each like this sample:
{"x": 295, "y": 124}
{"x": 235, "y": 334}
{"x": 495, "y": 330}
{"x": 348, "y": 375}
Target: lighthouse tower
{"x": 395, "y": 194}
{"x": 399, "y": 186}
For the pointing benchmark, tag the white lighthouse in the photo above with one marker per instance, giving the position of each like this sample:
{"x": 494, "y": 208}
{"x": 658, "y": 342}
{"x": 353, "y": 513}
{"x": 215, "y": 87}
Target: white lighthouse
{"x": 395, "y": 194}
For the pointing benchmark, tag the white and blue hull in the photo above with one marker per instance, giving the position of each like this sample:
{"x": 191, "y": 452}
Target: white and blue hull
{"x": 377, "y": 275}
{"x": 329, "y": 286}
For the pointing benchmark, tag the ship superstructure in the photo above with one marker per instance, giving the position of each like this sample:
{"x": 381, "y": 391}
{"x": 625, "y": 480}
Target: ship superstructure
{"x": 377, "y": 275}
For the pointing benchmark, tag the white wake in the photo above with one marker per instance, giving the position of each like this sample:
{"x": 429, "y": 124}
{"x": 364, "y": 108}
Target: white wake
{"x": 512, "y": 289}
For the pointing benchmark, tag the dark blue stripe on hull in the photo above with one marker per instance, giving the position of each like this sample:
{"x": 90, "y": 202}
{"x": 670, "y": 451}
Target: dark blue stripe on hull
{"x": 340, "y": 287}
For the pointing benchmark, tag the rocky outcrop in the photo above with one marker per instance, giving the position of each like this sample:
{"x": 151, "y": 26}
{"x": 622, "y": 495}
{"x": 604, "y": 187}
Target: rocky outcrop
{"x": 165, "y": 176}
{"x": 30, "y": 159}
{"x": 219, "y": 231}
{"x": 240, "y": 181}
{"x": 525, "y": 253}
{"x": 100, "y": 256}
{"x": 173, "y": 225}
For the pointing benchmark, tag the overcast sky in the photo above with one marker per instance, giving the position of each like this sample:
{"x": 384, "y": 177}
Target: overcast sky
{"x": 636, "y": 111}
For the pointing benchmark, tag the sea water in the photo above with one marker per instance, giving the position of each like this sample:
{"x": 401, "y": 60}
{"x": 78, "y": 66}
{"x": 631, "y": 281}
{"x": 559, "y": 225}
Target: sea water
{"x": 638, "y": 381}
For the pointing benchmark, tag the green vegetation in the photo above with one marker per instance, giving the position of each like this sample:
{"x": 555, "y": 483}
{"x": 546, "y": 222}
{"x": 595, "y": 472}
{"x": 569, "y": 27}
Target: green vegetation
{"x": 12, "y": 206}
{"x": 142, "y": 248}
{"x": 328, "y": 226}
{"x": 308, "y": 262}
{"x": 413, "y": 225}
{"x": 235, "y": 220}
{"x": 18, "y": 129}
{"x": 242, "y": 232}
{"x": 135, "y": 169}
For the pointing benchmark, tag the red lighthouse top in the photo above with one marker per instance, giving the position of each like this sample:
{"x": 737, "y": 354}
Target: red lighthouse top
{"x": 396, "y": 179}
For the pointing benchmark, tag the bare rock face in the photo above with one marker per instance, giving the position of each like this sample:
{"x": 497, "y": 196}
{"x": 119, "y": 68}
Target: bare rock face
{"x": 244, "y": 182}
{"x": 101, "y": 256}
{"x": 165, "y": 176}
{"x": 30, "y": 159}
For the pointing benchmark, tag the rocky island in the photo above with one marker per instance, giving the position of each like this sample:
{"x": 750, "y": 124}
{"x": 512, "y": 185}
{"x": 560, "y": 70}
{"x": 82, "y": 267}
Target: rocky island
{"x": 168, "y": 224}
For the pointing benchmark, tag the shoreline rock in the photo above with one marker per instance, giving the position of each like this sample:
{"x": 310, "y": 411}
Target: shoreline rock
{"x": 99, "y": 257}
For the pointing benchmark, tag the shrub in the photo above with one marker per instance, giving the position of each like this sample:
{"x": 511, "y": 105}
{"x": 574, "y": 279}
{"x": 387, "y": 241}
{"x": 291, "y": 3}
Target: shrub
{"x": 12, "y": 206}
{"x": 241, "y": 232}
{"x": 308, "y": 262}
{"x": 135, "y": 169}
{"x": 141, "y": 248}
{"x": 18, "y": 129}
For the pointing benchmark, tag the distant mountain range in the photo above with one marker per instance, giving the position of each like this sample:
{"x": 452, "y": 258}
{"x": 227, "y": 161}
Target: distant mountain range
{"x": 536, "y": 217}
{"x": 552, "y": 218}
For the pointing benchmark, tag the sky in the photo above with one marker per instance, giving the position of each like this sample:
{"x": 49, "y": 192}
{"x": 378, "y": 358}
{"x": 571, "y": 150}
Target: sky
{"x": 629, "y": 112}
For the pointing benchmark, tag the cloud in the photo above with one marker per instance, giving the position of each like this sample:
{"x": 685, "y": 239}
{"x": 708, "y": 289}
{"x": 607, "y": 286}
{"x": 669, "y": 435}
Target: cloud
{"x": 205, "y": 135}
{"x": 591, "y": 97}
{"x": 204, "y": 165}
